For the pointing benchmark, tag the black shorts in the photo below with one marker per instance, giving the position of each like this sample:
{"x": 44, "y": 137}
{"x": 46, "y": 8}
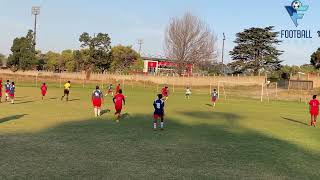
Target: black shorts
{"x": 66, "y": 92}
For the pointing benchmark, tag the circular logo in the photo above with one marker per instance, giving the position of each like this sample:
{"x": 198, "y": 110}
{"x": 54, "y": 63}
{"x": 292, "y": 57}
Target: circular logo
{"x": 296, "y": 4}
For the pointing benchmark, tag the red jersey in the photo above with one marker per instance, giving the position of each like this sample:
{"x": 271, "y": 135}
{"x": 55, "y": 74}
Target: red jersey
{"x": 164, "y": 92}
{"x": 314, "y": 105}
{"x": 118, "y": 100}
{"x": 43, "y": 88}
{"x": 117, "y": 89}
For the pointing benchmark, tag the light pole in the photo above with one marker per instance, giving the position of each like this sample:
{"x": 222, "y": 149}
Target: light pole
{"x": 35, "y": 10}
{"x": 140, "y": 42}
{"x": 222, "y": 58}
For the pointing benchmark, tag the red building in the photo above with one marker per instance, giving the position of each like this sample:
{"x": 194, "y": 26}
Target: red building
{"x": 155, "y": 65}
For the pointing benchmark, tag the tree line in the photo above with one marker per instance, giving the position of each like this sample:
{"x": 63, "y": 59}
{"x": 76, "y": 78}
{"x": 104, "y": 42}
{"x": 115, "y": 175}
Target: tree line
{"x": 95, "y": 55}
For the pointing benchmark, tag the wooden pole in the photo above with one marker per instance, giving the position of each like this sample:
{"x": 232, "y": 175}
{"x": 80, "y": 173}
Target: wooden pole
{"x": 36, "y": 80}
{"x": 60, "y": 81}
{"x": 276, "y": 90}
{"x": 218, "y": 90}
{"x": 261, "y": 93}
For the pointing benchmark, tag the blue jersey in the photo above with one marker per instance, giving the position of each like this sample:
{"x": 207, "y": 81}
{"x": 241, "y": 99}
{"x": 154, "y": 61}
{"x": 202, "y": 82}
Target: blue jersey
{"x": 158, "y": 107}
{"x": 97, "y": 94}
{"x": 7, "y": 86}
{"x": 12, "y": 89}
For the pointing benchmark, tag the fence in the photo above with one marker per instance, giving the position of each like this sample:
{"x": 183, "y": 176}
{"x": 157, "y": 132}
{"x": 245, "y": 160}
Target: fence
{"x": 191, "y": 81}
{"x": 236, "y": 86}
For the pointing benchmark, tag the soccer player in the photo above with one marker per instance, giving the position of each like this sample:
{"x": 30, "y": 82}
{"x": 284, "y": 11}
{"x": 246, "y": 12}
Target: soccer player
{"x": 165, "y": 93}
{"x": 158, "y": 105}
{"x": 97, "y": 100}
{"x": 117, "y": 100}
{"x": 110, "y": 91}
{"x": 314, "y": 110}
{"x": 214, "y": 97}
{"x": 188, "y": 93}
{"x": 66, "y": 90}
{"x": 7, "y": 89}
{"x": 11, "y": 92}
{"x": 118, "y": 88}
{"x": 44, "y": 89}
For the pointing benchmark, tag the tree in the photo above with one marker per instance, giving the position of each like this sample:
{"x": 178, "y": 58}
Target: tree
{"x": 315, "y": 59}
{"x": 256, "y": 50}
{"x": 67, "y": 61}
{"x": 81, "y": 58}
{"x": 99, "y": 50}
{"x": 23, "y": 54}
{"x": 123, "y": 57}
{"x": 2, "y": 59}
{"x": 52, "y": 61}
{"x": 189, "y": 41}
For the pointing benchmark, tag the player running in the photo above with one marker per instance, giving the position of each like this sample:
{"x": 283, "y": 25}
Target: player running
{"x": 12, "y": 90}
{"x": 66, "y": 90}
{"x": 7, "y": 89}
{"x": 314, "y": 110}
{"x": 110, "y": 91}
{"x": 43, "y": 89}
{"x": 97, "y": 100}
{"x": 188, "y": 93}
{"x": 118, "y": 88}
{"x": 165, "y": 93}
{"x": 117, "y": 100}
{"x": 158, "y": 105}
{"x": 214, "y": 97}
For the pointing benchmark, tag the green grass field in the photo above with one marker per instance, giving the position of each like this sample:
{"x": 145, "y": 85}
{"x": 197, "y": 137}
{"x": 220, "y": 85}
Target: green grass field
{"x": 240, "y": 139}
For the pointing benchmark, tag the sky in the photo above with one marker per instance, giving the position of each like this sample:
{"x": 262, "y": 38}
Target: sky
{"x": 61, "y": 22}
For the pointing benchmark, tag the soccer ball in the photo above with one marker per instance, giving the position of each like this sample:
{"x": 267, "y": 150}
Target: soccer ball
{"x": 296, "y": 4}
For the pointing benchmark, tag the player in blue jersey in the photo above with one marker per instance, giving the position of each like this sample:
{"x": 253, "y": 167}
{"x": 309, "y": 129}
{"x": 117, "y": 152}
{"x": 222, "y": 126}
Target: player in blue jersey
{"x": 97, "y": 100}
{"x": 158, "y": 105}
{"x": 7, "y": 89}
{"x": 12, "y": 90}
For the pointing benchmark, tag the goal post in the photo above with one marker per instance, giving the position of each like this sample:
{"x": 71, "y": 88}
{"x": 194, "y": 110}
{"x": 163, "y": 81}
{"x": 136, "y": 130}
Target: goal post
{"x": 222, "y": 85}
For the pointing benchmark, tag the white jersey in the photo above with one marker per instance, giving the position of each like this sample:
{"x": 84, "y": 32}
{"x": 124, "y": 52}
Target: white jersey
{"x": 188, "y": 91}
{"x": 214, "y": 94}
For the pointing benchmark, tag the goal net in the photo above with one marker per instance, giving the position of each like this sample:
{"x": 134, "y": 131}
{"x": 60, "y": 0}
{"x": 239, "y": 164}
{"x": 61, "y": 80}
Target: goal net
{"x": 246, "y": 90}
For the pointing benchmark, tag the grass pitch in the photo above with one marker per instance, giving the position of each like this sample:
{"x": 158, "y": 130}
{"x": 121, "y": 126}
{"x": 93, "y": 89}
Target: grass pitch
{"x": 240, "y": 139}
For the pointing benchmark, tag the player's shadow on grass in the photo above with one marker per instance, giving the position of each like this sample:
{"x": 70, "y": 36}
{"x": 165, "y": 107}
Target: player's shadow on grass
{"x": 53, "y": 98}
{"x": 24, "y": 102}
{"x": 10, "y": 118}
{"x": 73, "y": 100}
{"x": 105, "y": 111}
{"x": 210, "y": 105}
{"x": 294, "y": 121}
{"x": 125, "y": 116}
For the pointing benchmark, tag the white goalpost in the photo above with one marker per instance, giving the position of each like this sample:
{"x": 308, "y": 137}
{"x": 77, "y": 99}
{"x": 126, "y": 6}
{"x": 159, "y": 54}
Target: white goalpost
{"x": 223, "y": 84}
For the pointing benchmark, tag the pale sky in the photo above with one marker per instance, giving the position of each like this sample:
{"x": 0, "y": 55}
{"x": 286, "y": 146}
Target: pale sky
{"x": 62, "y": 21}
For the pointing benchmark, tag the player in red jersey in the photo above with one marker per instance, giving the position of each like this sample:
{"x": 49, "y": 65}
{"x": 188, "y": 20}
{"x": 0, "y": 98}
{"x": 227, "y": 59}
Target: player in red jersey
{"x": 44, "y": 89}
{"x": 314, "y": 110}
{"x": 117, "y": 100}
{"x": 118, "y": 88}
{"x": 0, "y": 90}
{"x": 97, "y": 100}
{"x": 165, "y": 93}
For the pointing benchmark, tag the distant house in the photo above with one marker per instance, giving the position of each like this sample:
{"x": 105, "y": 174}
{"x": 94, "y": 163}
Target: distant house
{"x": 162, "y": 65}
